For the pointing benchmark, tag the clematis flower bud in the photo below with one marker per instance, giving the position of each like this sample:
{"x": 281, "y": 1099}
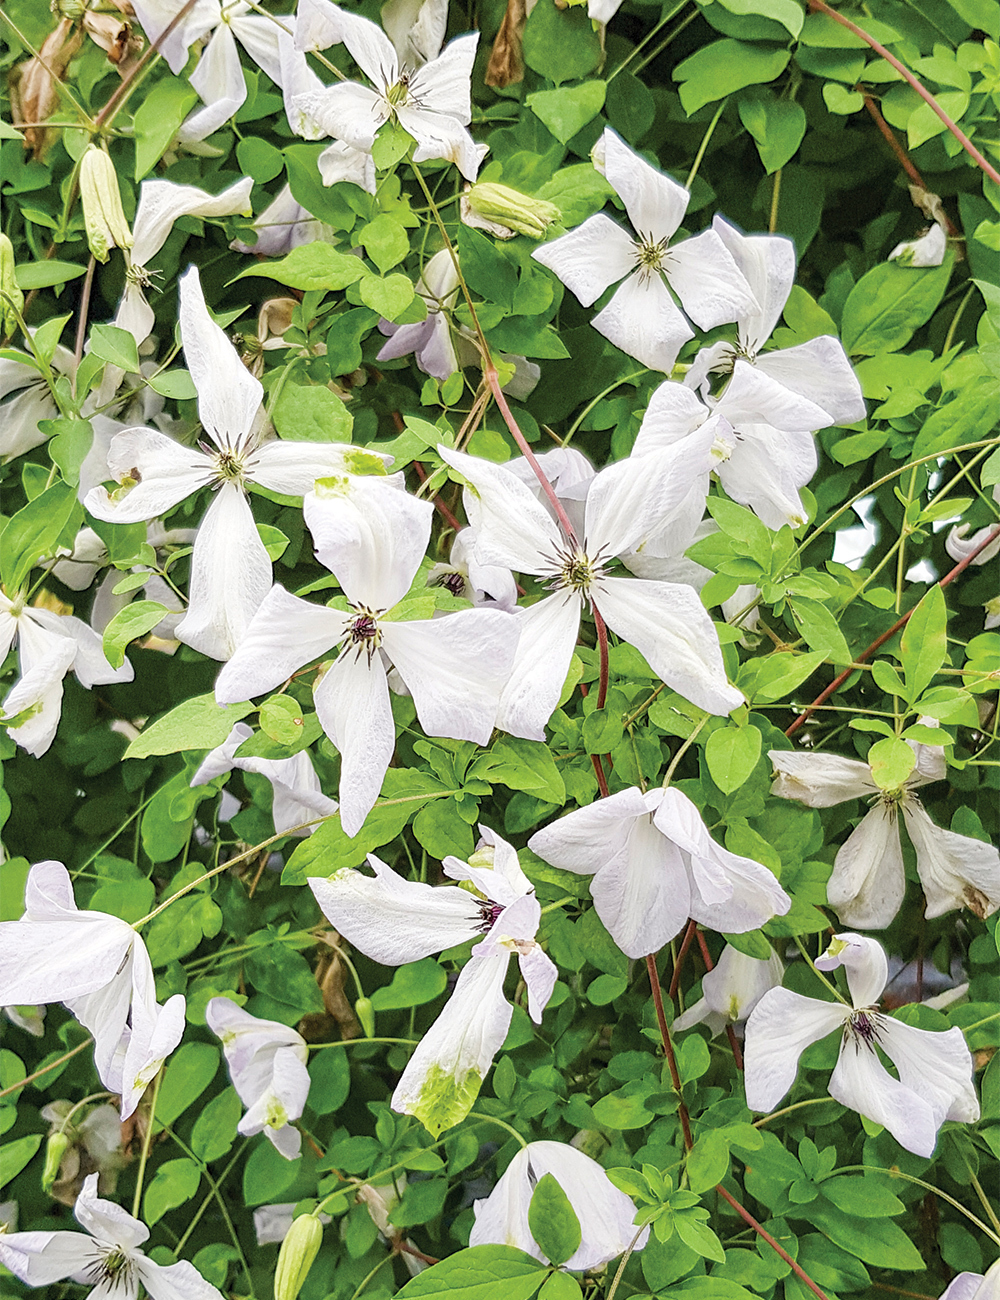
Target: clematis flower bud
{"x": 489, "y": 206}
{"x": 298, "y": 1250}
{"x": 365, "y": 1012}
{"x": 12, "y": 301}
{"x": 102, "y": 204}
{"x": 55, "y": 1149}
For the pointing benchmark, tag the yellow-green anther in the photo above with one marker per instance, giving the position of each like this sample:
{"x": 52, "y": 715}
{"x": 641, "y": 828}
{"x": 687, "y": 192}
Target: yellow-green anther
{"x": 512, "y": 209}
{"x": 103, "y": 214}
{"x": 298, "y": 1250}
{"x": 55, "y": 1149}
{"x": 12, "y": 302}
{"x": 365, "y": 1012}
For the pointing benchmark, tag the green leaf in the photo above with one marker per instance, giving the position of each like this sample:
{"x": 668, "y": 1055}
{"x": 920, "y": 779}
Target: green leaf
{"x": 189, "y": 1072}
{"x": 875, "y": 1240}
{"x": 281, "y": 719}
{"x": 699, "y": 1236}
{"x": 479, "y": 1273}
{"x": 259, "y": 159}
{"x": 198, "y": 723}
{"x": 384, "y": 240}
{"x": 34, "y": 531}
{"x": 889, "y": 304}
{"x": 780, "y": 673}
{"x": 567, "y": 110}
{"x": 173, "y": 1184}
{"x": 267, "y": 1175}
{"x": 731, "y": 754}
{"x": 716, "y": 70}
{"x": 708, "y": 1161}
{"x": 777, "y": 126}
{"x": 412, "y": 985}
{"x": 867, "y": 1197}
{"x": 176, "y": 384}
{"x": 743, "y": 527}
{"x": 924, "y": 643}
{"x": 553, "y": 1221}
{"x": 560, "y": 43}
{"x": 43, "y": 275}
{"x": 15, "y": 1155}
{"x": 560, "y": 1286}
{"x": 330, "y": 1075}
{"x": 215, "y": 1128}
{"x": 892, "y": 762}
{"x": 522, "y": 765}
{"x": 392, "y": 142}
{"x": 130, "y": 623}
{"x": 312, "y": 413}
{"x": 487, "y": 271}
{"x": 820, "y": 629}
{"x": 115, "y": 345}
{"x": 390, "y": 296}
{"x": 311, "y": 266}
{"x": 162, "y": 110}
{"x": 69, "y": 445}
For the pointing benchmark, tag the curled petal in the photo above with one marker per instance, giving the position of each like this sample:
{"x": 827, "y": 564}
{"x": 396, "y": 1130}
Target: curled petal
{"x": 820, "y": 780}
{"x": 868, "y": 883}
{"x": 955, "y": 870}
{"x": 865, "y": 962}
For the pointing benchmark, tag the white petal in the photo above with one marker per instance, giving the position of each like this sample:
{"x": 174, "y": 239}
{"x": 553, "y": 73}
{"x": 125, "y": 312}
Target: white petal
{"x": 298, "y": 796}
{"x": 868, "y": 883}
{"x": 167, "y": 474}
{"x": 222, "y": 759}
{"x": 753, "y": 396}
{"x": 180, "y": 1281}
{"x": 393, "y": 920}
{"x": 444, "y": 1074}
{"x": 89, "y": 663}
{"x": 350, "y": 113}
{"x": 39, "y": 692}
{"x": 548, "y": 632}
{"x": 219, "y": 81}
{"x": 966, "y": 1287}
{"x": 157, "y": 15}
{"x": 765, "y": 470}
{"x": 708, "y": 282}
{"x": 819, "y": 369}
{"x": 228, "y": 395}
{"x": 865, "y": 962}
{"x": 539, "y": 973}
{"x": 642, "y": 896}
{"x": 436, "y": 351}
{"x": 862, "y": 1082}
{"x": 820, "y": 780}
{"x": 606, "y": 1215}
{"x": 352, "y": 702}
{"x": 767, "y": 263}
{"x": 370, "y": 48}
{"x": 455, "y": 668}
{"x": 668, "y": 624}
{"x": 959, "y": 545}
{"x": 936, "y": 1066}
{"x": 512, "y": 528}
{"x": 780, "y": 1028}
{"x": 737, "y": 982}
{"x": 674, "y": 412}
{"x": 262, "y": 38}
{"x": 19, "y": 418}
{"x": 292, "y": 468}
{"x": 643, "y": 320}
{"x": 443, "y": 85}
{"x": 503, "y": 882}
{"x": 370, "y": 535}
{"x": 41, "y": 1258}
{"x": 162, "y": 202}
{"x": 439, "y": 135}
{"x": 955, "y": 870}
{"x": 230, "y": 576}
{"x": 655, "y": 204}
{"x": 589, "y": 258}
{"x": 107, "y": 1222}
{"x": 155, "y": 1032}
{"x": 416, "y": 29}
{"x": 587, "y": 839}
{"x": 286, "y": 632}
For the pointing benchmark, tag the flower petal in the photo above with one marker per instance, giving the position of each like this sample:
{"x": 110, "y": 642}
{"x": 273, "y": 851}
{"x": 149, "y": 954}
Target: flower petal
{"x": 180, "y": 1281}
{"x": 765, "y": 469}
{"x": 512, "y": 527}
{"x": 350, "y": 113}
{"x": 654, "y": 202}
{"x": 868, "y": 883}
{"x": 936, "y": 1066}
{"x": 820, "y": 780}
{"x": 219, "y": 81}
{"x": 292, "y": 468}
{"x": 90, "y": 663}
{"x": 643, "y": 320}
{"x": 352, "y": 702}
{"x": 955, "y": 870}
{"x": 230, "y": 576}
{"x": 164, "y": 474}
{"x": 41, "y": 1258}
{"x": 674, "y": 412}
{"x": 107, "y": 1222}
{"x": 587, "y": 839}
{"x": 819, "y": 370}
{"x": 439, "y": 135}
{"x": 455, "y": 668}
{"x": 590, "y": 258}
{"x": 862, "y": 1082}
{"x": 444, "y": 84}
{"x": 228, "y": 395}
{"x": 39, "y": 690}
{"x": 548, "y": 632}
{"x": 668, "y": 624}
{"x": 642, "y": 895}
{"x": 285, "y": 633}
{"x": 752, "y": 396}
{"x": 710, "y": 285}
{"x": 767, "y": 263}
{"x": 865, "y": 963}
{"x": 779, "y": 1029}
{"x": 392, "y": 920}
{"x": 162, "y": 202}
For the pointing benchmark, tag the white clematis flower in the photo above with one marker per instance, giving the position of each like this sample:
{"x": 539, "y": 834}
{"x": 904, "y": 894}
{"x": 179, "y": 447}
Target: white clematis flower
{"x": 935, "y": 1068}
{"x": 655, "y": 865}
{"x": 666, "y": 622}
{"x": 416, "y": 29}
{"x": 484, "y": 584}
{"x": 49, "y": 646}
{"x": 431, "y": 103}
{"x": 959, "y": 545}
{"x": 283, "y": 225}
{"x": 105, "y": 1256}
{"x": 297, "y": 793}
{"x": 97, "y": 965}
{"x": 606, "y": 1215}
{"x": 373, "y": 537}
{"x": 230, "y": 568}
{"x": 816, "y": 372}
{"x": 975, "y": 1286}
{"x": 731, "y": 990}
{"x": 267, "y": 1064}
{"x": 26, "y": 400}
{"x": 868, "y": 883}
{"x": 394, "y": 921}
{"x": 642, "y": 318}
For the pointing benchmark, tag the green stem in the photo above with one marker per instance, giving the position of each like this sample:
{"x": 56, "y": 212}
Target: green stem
{"x": 787, "y": 1110}
{"x": 625, "y": 1259}
{"x": 636, "y": 374}
{"x": 368, "y": 1277}
{"x": 682, "y": 750}
{"x": 215, "y": 1193}
{"x": 647, "y": 38}
{"x": 928, "y": 1187}
{"x": 146, "y": 1143}
{"x": 704, "y": 144}
{"x": 819, "y": 974}
{"x": 492, "y": 1119}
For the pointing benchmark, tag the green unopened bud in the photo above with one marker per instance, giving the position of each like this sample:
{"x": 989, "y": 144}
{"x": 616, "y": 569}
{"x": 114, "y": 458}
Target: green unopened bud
{"x": 507, "y": 207}
{"x": 298, "y": 1250}
{"x": 103, "y": 214}
{"x": 365, "y": 1012}
{"x": 12, "y": 301}
{"x": 55, "y": 1149}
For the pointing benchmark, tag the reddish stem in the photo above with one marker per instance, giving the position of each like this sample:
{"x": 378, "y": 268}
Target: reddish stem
{"x": 821, "y": 7}
{"x": 443, "y": 510}
{"x": 602, "y": 646}
{"x": 905, "y": 161}
{"x": 602, "y": 780}
{"x": 678, "y": 964}
{"x": 865, "y": 654}
{"x": 668, "y": 1048}
{"x": 761, "y": 1231}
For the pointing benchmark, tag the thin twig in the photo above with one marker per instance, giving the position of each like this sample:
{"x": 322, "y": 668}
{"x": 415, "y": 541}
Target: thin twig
{"x": 52, "y": 1065}
{"x": 763, "y": 1233}
{"x": 668, "y": 1049}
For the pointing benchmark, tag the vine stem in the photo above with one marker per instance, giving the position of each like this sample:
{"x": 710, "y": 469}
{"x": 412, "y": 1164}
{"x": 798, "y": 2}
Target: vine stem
{"x": 762, "y": 1232}
{"x": 625, "y": 1259}
{"x": 121, "y": 94}
{"x": 820, "y": 6}
{"x": 675, "y": 979}
{"x": 52, "y": 1065}
{"x": 668, "y": 1048}
{"x": 928, "y": 1187}
{"x": 492, "y": 1119}
{"x": 880, "y": 641}
{"x": 147, "y": 1142}
{"x": 81, "y": 324}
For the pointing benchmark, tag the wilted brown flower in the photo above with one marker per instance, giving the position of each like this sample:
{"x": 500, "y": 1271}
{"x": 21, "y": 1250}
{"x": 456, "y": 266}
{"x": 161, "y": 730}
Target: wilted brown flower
{"x": 33, "y": 86}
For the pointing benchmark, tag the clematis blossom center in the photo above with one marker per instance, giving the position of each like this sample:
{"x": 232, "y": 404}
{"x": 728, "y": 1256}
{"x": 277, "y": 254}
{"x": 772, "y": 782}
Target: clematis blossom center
{"x": 650, "y": 255}
{"x": 864, "y": 1027}
{"x": 364, "y": 631}
{"x": 113, "y": 1267}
